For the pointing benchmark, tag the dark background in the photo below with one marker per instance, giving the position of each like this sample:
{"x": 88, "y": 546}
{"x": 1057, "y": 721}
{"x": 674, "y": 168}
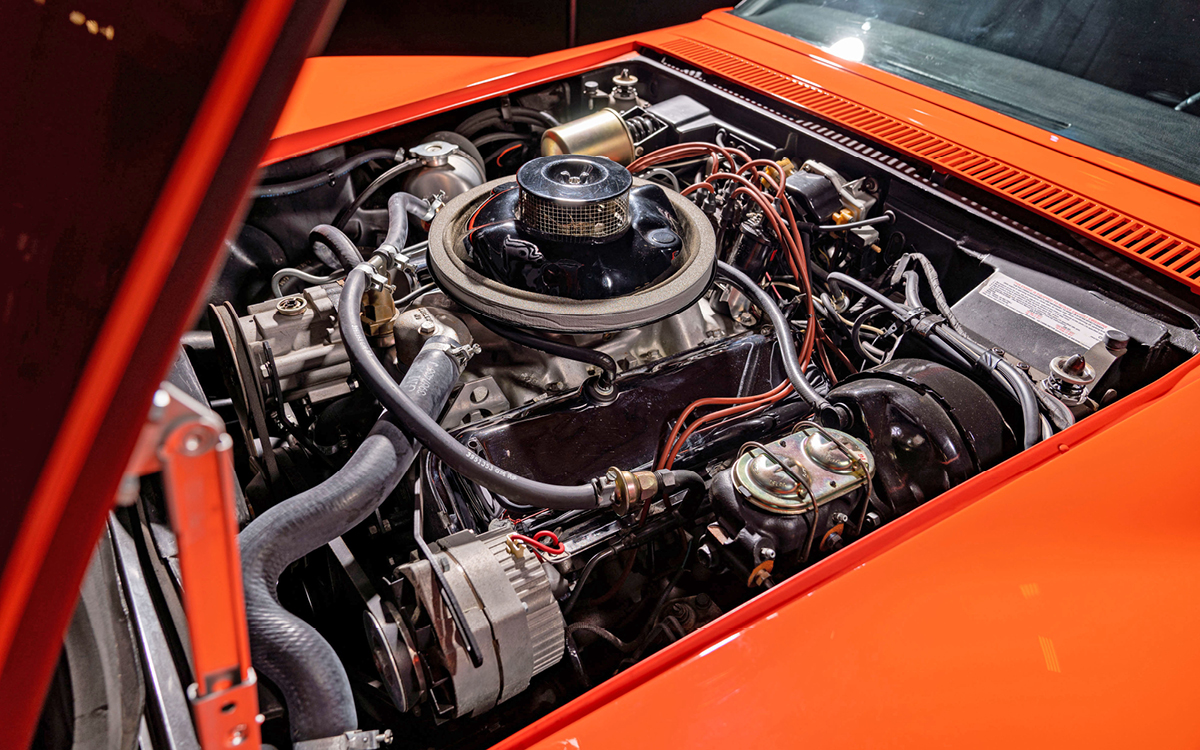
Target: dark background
{"x": 498, "y": 27}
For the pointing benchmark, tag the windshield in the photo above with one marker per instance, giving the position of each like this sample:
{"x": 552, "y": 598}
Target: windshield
{"x": 1120, "y": 75}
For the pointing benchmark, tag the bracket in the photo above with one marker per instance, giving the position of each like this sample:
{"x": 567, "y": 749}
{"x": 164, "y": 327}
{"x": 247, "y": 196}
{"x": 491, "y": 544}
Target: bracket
{"x": 187, "y": 442}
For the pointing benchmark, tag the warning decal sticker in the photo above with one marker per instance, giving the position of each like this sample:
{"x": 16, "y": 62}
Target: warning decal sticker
{"x": 1047, "y": 312}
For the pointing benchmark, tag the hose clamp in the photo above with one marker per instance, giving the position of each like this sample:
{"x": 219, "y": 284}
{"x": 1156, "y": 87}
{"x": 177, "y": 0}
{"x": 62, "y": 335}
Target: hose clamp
{"x": 436, "y": 202}
{"x": 605, "y": 488}
{"x": 393, "y": 257}
{"x": 460, "y": 353}
{"x": 921, "y": 321}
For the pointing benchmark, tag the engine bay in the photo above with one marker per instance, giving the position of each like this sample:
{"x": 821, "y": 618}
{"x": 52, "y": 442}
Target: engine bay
{"x": 527, "y": 391}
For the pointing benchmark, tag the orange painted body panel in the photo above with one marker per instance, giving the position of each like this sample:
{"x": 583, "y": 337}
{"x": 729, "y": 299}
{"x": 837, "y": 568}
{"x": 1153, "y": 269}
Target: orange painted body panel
{"x": 314, "y": 116}
{"x": 1034, "y": 135}
{"x": 55, "y": 536}
{"x": 394, "y": 81}
{"x": 1047, "y": 602}
{"x": 1131, "y": 209}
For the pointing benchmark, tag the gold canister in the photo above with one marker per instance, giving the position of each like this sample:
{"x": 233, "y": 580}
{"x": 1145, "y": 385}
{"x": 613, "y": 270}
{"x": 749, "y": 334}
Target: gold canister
{"x": 602, "y": 133}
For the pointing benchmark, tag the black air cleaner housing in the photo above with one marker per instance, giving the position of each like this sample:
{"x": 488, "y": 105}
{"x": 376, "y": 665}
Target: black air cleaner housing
{"x": 574, "y": 226}
{"x": 574, "y": 244}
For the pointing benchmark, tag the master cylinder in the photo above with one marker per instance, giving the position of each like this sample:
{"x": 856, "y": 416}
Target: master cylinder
{"x": 785, "y": 502}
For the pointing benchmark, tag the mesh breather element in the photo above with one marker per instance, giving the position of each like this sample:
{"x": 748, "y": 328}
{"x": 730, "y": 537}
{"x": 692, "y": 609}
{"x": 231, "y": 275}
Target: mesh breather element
{"x": 574, "y": 222}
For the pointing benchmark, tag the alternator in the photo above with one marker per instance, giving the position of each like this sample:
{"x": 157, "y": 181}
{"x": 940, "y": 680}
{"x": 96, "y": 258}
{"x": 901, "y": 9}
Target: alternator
{"x": 504, "y": 592}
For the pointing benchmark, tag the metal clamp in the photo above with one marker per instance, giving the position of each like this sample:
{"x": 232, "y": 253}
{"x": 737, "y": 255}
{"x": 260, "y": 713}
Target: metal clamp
{"x": 394, "y": 257}
{"x": 187, "y": 442}
{"x": 460, "y": 353}
{"x": 436, "y": 202}
{"x": 359, "y": 739}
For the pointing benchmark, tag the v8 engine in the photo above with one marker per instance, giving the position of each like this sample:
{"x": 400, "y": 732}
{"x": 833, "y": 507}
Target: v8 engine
{"x": 526, "y": 392}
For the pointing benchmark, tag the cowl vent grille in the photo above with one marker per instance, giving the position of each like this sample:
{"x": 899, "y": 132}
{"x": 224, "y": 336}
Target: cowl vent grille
{"x": 1161, "y": 250}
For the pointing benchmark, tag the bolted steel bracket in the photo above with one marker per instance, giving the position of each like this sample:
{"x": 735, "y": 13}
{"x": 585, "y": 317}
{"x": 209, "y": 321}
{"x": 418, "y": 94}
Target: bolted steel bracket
{"x": 187, "y": 442}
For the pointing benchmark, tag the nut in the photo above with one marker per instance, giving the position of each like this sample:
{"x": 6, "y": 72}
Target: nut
{"x": 631, "y": 487}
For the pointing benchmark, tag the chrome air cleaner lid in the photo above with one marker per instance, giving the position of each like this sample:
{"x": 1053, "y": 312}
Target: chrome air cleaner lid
{"x": 574, "y": 198}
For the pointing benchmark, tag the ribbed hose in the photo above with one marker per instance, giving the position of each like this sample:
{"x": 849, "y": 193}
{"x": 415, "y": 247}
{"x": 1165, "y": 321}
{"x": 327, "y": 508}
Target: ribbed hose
{"x": 284, "y": 648}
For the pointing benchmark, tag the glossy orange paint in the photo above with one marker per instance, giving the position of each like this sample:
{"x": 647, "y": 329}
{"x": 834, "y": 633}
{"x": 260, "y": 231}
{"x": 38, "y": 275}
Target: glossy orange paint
{"x": 1030, "y": 133}
{"x": 1048, "y": 601}
{"x": 394, "y": 81}
{"x": 56, "y": 536}
{"x": 1095, "y": 203}
{"x": 1038, "y": 603}
{"x": 414, "y": 87}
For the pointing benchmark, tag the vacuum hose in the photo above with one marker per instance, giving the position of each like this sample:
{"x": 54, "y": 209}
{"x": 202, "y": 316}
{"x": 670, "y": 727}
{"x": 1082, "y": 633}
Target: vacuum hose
{"x": 284, "y": 648}
{"x": 328, "y": 177}
{"x": 607, "y": 365}
{"x": 426, "y": 429}
{"x": 964, "y": 353}
{"x": 833, "y": 415}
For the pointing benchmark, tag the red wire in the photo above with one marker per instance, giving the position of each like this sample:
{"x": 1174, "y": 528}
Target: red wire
{"x": 534, "y": 544}
{"x": 788, "y": 235}
{"x": 500, "y": 155}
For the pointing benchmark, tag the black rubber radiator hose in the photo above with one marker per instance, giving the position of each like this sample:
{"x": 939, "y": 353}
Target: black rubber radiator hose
{"x": 284, "y": 648}
{"x": 343, "y": 247}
